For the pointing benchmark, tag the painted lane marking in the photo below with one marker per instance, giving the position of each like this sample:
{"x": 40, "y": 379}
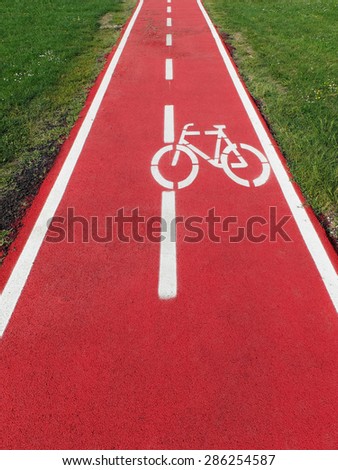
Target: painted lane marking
{"x": 167, "y": 285}
{"x": 167, "y": 282}
{"x": 168, "y": 9}
{"x": 169, "y": 22}
{"x": 169, "y": 1}
{"x": 169, "y": 40}
{"x": 21, "y": 271}
{"x": 169, "y": 72}
{"x": 169, "y": 128}
{"x": 307, "y": 230}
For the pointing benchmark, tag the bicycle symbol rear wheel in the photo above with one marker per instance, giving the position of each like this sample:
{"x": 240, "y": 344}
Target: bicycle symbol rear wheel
{"x": 167, "y": 152}
{"x": 257, "y": 181}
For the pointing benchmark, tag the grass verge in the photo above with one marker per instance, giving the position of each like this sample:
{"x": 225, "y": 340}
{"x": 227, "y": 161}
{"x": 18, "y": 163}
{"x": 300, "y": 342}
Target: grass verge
{"x": 286, "y": 52}
{"x": 51, "y": 51}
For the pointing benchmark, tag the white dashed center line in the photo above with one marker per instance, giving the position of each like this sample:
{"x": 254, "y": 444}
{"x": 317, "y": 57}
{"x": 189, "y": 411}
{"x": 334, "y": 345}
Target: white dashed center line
{"x": 169, "y": 130}
{"x": 169, "y": 72}
{"x": 167, "y": 287}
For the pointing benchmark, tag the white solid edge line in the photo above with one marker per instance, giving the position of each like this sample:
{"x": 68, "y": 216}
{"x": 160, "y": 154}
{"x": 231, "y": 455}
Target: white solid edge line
{"x": 309, "y": 234}
{"x": 169, "y": 128}
{"x": 20, "y": 273}
{"x": 169, "y": 72}
{"x": 167, "y": 284}
{"x": 169, "y": 40}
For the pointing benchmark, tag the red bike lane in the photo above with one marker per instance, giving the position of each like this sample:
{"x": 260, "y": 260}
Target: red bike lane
{"x": 243, "y": 352}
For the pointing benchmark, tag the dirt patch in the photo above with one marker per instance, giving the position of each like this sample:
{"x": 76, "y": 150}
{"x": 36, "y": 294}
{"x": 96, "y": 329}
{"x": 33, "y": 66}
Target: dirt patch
{"x": 239, "y": 38}
{"x": 227, "y": 40}
{"x": 330, "y": 223}
{"x": 231, "y": 40}
{"x": 20, "y": 192}
{"x": 106, "y": 22}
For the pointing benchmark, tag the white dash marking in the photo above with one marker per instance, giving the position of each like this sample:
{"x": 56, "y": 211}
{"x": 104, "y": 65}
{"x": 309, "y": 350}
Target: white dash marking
{"x": 169, "y": 1}
{"x": 168, "y": 9}
{"x": 167, "y": 286}
{"x": 169, "y": 128}
{"x": 169, "y": 22}
{"x": 169, "y": 72}
{"x": 169, "y": 40}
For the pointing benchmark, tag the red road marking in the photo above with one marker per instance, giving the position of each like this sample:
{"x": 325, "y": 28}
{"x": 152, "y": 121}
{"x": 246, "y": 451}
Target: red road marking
{"x": 243, "y": 357}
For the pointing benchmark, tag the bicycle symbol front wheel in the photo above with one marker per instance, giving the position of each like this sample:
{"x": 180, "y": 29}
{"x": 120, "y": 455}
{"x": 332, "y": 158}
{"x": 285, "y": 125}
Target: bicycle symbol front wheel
{"x": 167, "y": 153}
{"x": 228, "y": 168}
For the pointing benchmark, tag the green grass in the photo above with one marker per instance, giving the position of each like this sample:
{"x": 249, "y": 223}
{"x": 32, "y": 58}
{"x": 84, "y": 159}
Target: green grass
{"x": 286, "y": 51}
{"x": 51, "y": 52}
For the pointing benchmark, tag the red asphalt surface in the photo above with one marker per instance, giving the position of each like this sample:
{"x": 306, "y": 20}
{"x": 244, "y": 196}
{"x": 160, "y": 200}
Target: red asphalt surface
{"x": 245, "y": 357}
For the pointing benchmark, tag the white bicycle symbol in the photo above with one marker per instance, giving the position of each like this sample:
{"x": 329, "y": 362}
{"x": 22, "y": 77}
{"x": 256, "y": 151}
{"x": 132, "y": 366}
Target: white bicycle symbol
{"x": 219, "y": 160}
